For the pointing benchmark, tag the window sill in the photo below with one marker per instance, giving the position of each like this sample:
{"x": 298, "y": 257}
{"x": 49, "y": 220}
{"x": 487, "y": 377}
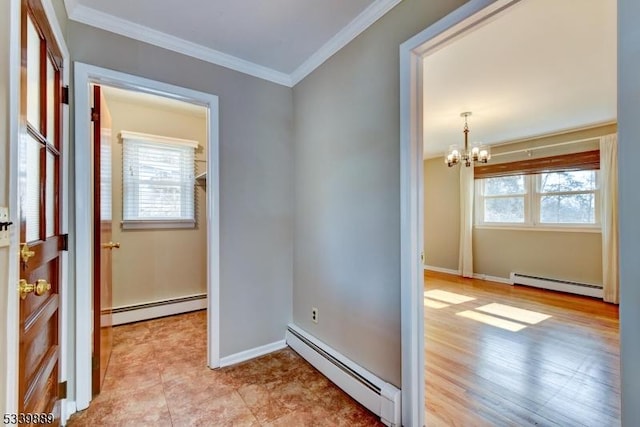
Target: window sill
{"x": 560, "y": 229}
{"x": 157, "y": 224}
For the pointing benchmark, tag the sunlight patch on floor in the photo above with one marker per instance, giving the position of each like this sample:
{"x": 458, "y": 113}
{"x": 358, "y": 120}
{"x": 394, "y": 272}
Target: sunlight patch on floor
{"x": 434, "y": 304}
{"x": 448, "y": 297}
{"x": 491, "y": 320}
{"x": 514, "y": 313}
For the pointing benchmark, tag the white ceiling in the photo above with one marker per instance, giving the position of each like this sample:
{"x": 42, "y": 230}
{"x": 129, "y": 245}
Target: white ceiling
{"x": 541, "y": 67}
{"x": 279, "y": 40}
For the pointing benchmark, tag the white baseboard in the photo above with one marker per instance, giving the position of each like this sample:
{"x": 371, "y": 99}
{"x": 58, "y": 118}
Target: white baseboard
{"x": 380, "y": 397}
{"x": 493, "y": 279}
{"x": 442, "y": 270}
{"x": 496, "y": 279}
{"x": 68, "y": 409}
{"x": 252, "y": 353}
{"x": 138, "y": 312}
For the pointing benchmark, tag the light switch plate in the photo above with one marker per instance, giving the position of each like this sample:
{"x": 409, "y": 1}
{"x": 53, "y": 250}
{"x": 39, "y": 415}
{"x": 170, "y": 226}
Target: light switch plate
{"x": 4, "y": 235}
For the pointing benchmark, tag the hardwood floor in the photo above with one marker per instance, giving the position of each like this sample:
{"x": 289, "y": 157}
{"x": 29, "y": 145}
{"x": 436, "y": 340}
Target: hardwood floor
{"x": 546, "y": 358}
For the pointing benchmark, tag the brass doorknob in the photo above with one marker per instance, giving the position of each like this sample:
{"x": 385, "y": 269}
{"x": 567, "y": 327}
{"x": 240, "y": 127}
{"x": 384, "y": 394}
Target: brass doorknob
{"x": 111, "y": 245}
{"x": 39, "y": 288}
{"x": 25, "y": 253}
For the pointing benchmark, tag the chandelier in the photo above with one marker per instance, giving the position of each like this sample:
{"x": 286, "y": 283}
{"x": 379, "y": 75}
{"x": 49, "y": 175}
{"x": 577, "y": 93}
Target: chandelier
{"x": 477, "y": 153}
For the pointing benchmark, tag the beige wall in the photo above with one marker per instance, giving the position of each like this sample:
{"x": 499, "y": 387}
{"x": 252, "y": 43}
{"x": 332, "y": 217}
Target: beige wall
{"x": 347, "y": 192}
{"x": 159, "y": 264}
{"x": 441, "y": 214}
{"x": 575, "y": 256}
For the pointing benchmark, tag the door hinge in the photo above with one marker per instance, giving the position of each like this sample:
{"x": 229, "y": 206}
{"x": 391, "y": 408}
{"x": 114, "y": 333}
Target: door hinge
{"x": 64, "y": 246}
{"x": 422, "y": 257}
{"x": 65, "y": 95}
{"x": 94, "y": 115}
{"x": 94, "y": 363}
{"x": 62, "y": 390}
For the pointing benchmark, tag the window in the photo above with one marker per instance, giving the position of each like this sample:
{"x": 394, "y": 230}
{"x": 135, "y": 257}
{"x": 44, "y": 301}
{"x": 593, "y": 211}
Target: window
{"x": 550, "y": 199}
{"x": 158, "y": 181}
{"x": 567, "y": 197}
{"x": 505, "y": 199}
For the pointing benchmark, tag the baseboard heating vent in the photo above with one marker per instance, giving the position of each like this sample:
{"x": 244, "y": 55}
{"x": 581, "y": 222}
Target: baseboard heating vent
{"x": 380, "y": 397}
{"x": 151, "y": 310}
{"x": 557, "y": 285}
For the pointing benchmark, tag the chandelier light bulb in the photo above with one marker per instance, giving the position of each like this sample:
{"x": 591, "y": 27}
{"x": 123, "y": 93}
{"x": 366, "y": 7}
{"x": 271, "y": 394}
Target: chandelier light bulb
{"x": 477, "y": 153}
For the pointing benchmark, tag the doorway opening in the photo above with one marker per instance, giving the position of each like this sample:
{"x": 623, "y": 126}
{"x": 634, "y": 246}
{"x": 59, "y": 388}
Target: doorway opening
{"x": 445, "y": 292}
{"x": 154, "y": 230}
{"x": 150, "y": 233}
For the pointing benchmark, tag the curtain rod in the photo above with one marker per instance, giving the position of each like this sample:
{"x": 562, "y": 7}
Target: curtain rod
{"x": 524, "y": 150}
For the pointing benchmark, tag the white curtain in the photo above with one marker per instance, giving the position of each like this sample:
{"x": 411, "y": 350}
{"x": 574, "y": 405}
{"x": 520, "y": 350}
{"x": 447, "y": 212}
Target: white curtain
{"x": 609, "y": 216}
{"x": 465, "y": 264}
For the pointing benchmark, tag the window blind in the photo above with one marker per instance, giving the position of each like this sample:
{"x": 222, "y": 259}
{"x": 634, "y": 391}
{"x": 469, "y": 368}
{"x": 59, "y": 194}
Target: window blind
{"x": 587, "y": 160}
{"x": 158, "y": 180}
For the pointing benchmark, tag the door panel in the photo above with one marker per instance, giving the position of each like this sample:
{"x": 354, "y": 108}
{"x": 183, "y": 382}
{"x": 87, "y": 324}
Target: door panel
{"x": 39, "y": 192}
{"x": 103, "y": 245}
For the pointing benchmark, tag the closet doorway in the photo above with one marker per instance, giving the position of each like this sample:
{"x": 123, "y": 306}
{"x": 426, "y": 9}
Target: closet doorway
{"x": 152, "y": 151}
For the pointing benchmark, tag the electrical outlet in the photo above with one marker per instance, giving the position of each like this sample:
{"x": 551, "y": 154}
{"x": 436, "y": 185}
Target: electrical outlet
{"x": 4, "y": 231}
{"x": 314, "y": 314}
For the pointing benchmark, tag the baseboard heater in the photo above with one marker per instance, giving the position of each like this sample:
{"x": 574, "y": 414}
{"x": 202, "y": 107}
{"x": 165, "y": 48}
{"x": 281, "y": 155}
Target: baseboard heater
{"x": 151, "y": 310}
{"x": 557, "y": 285}
{"x": 380, "y": 397}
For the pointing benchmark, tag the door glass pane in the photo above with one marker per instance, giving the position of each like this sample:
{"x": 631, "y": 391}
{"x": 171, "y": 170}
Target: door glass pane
{"x": 33, "y": 75}
{"x": 50, "y": 196}
{"x": 51, "y": 84}
{"x": 32, "y": 202}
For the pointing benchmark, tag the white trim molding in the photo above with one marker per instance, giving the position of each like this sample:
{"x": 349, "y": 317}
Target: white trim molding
{"x": 12, "y": 316}
{"x": 478, "y": 276}
{"x": 123, "y": 27}
{"x": 95, "y": 18}
{"x": 85, "y": 75}
{"x": 364, "y": 20}
{"x": 252, "y": 353}
{"x": 380, "y": 397}
{"x": 496, "y": 279}
{"x": 442, "y": 270}
{"x": 412, "y": 53}
{"x": 151, "y": 310}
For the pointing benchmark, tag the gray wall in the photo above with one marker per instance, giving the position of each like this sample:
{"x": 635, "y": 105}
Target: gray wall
{"x": 256, "y": 175}
{"x": 347, "y": 192}
{"x": 629, "y": 152}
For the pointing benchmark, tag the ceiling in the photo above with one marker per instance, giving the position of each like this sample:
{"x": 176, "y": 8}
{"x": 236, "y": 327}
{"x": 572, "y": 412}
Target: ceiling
{"x": 540, "y": 67}
{"x": 134, "y": 97}
{"x": 279, "y": 40}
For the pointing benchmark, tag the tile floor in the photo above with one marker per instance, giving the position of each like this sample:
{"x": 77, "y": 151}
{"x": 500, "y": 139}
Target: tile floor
{"x": 157, "y": 376}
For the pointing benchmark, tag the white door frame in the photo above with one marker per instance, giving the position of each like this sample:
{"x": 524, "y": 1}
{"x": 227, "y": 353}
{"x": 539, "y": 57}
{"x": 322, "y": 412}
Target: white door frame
{"x": 84, "y": 76}
{"x": 412, "y": 53}
{"x": 13, "y": 273}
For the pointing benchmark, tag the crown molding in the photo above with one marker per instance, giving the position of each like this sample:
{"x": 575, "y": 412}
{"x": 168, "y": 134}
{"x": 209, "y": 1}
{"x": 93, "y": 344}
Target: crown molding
{"x": 108, "y": 22}
{"x": 95, "y": 18}
{"x": 364, "y": 20}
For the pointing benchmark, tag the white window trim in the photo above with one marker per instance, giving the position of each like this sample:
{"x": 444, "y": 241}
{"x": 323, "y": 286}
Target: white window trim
{"x": 141, "y": 224}
{"x": 532, "y": 199}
